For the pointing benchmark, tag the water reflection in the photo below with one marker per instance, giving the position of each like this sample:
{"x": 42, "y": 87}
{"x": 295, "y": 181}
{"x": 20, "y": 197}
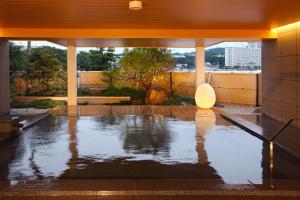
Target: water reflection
{"x": 198, "y": 145}
{"x": 271, "y": 149}
{"x": 146, "y": 135}
{"x": 152, "y": 137}
{"x": 72, "y": 127}
{"x": 205, "y": 121}
{"x": 41, "y": 152}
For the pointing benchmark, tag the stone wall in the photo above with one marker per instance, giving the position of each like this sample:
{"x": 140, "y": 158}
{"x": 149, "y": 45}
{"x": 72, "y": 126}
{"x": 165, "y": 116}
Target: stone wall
{"x": 91, "y": 78}
{"x": 230, "y": 87}
{"x": 281, "y": 75}
{"x": 239, "y": 88}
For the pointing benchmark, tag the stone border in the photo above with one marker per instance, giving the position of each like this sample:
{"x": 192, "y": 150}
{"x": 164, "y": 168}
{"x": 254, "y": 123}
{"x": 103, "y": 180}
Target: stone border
{"x": 255, "y": 130}
{"x": 35, "y": 122}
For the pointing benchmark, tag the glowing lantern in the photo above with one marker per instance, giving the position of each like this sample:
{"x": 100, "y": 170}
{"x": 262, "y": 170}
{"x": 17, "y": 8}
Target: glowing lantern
{"x": 205, "y": 96}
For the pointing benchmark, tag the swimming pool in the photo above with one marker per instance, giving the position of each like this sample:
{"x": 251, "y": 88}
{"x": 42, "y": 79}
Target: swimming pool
{"x": 152, "y": 146}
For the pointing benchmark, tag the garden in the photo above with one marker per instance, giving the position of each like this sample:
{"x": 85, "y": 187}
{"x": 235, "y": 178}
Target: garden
{"x": 136, "y": 74}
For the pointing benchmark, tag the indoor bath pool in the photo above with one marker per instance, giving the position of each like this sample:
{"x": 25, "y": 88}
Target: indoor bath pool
{"x": 143, "y": 147}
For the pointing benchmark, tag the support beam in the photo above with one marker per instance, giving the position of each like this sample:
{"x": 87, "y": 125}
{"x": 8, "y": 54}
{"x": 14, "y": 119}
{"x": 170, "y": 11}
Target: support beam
{"x": 72, "y": 80}
{"x": 200, "y": 65}
{"x": 56, "y": 33}
{"x": 5, "y": 119}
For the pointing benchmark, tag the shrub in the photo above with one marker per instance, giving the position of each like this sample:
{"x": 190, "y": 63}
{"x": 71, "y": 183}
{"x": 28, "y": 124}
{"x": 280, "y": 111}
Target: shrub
{"x": 46, "y": 103}
{"x": 135, "y": 94}
{"x": 20, "y": 105}
{"x": 84, "y": 92}
{"x": 38, "y": 104}
{"x": 49, "y": 93}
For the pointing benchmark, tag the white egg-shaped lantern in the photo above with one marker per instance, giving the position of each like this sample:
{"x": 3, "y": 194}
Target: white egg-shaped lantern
{"x": 205, "y": 96}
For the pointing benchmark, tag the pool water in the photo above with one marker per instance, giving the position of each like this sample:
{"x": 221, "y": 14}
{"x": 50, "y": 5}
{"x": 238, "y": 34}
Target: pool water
{"x": 142, "y": 146}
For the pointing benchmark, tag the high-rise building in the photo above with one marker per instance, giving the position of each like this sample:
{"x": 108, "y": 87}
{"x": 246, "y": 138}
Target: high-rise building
{"x": 249, "y": 56}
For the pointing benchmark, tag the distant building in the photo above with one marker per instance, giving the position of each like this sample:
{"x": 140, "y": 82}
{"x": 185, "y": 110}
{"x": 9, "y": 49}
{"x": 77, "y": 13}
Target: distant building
{"x": 254, "y": 44}
{"x": 243, "y": 57}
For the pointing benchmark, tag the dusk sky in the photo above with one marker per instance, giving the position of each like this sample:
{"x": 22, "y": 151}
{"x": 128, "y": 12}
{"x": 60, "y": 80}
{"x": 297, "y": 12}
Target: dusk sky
{"x": 120, "y": 50}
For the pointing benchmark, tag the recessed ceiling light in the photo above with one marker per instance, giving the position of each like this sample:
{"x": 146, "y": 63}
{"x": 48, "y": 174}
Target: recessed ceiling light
{"x": 135, "y": 5}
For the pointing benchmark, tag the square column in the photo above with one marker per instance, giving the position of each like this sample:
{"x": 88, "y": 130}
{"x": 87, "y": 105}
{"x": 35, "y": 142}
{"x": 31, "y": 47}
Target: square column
{"x": 4, "y": 78}
{"x": 72, "y": 80}
{"x": 5, "y": 119}
{"x": 200, "y": 65}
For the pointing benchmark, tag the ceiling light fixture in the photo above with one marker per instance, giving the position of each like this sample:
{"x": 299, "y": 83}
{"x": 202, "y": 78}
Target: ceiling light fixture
{"x": 135, "y": 5}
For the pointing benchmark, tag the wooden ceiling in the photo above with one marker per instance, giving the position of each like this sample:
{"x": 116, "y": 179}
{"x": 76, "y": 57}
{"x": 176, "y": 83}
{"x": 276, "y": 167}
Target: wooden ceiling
{"x": 161, "y": 23}
{"x": 174, "y": 14}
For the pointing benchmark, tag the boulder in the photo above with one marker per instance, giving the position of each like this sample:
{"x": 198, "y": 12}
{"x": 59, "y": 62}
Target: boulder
{"x": 156, "y": 96}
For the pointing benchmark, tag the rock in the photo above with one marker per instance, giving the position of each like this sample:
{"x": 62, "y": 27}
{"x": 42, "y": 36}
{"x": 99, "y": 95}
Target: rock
{"x": 156, "y": 96}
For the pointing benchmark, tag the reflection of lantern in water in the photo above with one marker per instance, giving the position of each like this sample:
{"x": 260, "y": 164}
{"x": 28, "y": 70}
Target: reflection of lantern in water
{"x": 271, "y": 165}
{"x": 205, "y": 121}
{"x": 205, "y": 96}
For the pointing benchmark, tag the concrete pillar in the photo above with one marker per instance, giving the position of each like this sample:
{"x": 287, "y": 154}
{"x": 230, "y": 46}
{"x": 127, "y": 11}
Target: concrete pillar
{"x": 200, "y": 65}
{"x": 4, "y": 78}
{"x": 72, "y": 80}
{"x": 5, "y": 119}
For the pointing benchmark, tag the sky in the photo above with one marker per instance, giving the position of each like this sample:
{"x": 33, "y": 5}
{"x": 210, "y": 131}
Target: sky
{"x": 120, "y": 50}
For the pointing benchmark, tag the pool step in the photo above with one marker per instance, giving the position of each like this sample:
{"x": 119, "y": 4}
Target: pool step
{"x": 149, "y": 195}
{"x": 146, "y": 189}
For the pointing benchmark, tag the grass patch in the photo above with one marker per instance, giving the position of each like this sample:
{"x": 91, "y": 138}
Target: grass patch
{"x": 38, "y": 104}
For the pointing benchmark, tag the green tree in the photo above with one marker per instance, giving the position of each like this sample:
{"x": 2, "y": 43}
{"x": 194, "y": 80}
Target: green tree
{"x": 143, "y": 66}
{"x": 101, "y": 59}
{"x": 45, "y": 69}
{"x": 60, "y": 54}
{"x": 83, "y": 61}
{"x": 18, "y": 59}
